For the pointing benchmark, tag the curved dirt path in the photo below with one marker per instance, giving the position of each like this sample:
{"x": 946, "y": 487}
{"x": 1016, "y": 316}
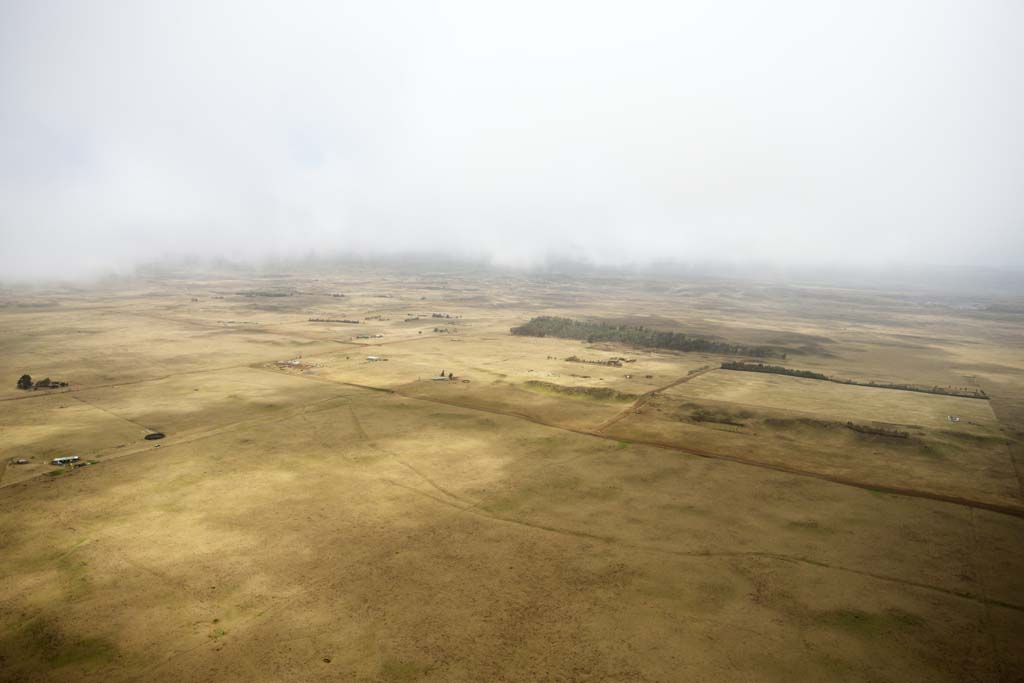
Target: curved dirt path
{"x": 644, "y": 398}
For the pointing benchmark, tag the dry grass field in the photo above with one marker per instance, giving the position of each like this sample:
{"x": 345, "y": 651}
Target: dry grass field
{"x": 312, "y": 514}
{"x": 840, "y": 401}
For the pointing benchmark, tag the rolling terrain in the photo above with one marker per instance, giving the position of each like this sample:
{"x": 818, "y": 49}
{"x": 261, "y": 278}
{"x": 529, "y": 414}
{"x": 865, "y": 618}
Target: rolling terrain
{"x": 325, "y": 505}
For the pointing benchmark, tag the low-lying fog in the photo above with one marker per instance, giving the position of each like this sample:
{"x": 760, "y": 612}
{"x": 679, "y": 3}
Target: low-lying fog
{"x": 800, "y": 134}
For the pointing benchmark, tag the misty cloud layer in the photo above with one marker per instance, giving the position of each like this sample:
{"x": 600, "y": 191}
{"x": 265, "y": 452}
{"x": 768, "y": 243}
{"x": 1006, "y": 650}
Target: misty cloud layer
{"x": 793, "y": 132}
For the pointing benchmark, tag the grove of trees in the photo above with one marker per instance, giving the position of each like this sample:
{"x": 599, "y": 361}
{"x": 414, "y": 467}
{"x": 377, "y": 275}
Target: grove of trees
{"x": 25, "y": 382}
{"x": 635, "y": 335}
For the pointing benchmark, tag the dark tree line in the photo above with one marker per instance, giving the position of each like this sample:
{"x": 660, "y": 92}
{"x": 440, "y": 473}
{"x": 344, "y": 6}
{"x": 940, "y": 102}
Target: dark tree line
{"x": 962, "y": 392}
{"x": 773, "y": 369}
{"x": 567, "y": 328}
{"x": 614, "y": 362}
{"x": 879, "y": 431}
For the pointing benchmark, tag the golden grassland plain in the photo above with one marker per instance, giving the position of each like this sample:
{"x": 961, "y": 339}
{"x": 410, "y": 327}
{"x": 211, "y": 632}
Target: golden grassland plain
{"x": 313, "y": 514}
{"x": 836, "y": 401}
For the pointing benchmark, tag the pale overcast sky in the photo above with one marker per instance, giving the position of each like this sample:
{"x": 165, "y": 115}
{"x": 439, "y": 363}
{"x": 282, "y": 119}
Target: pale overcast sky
{"x": 852, "y": 132}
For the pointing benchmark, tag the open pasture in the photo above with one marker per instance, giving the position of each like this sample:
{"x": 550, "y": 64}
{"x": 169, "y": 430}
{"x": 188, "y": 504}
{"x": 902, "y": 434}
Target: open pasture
{"x": 314, "y": 515}
{"x": 404, "y": 540}
{"x": 943, "y": 462}
{"x": 842, "y": 402}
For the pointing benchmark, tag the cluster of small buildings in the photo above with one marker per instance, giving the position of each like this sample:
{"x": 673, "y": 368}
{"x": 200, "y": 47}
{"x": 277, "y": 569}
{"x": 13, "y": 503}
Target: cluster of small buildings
{"x": 57, "y": 462}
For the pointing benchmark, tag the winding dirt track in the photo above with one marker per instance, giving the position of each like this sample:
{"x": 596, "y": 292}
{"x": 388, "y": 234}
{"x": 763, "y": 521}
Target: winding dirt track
{"x": 448, "y": 498}
{"x": 644, "y": 398}
{"x": 1012, "y": 510}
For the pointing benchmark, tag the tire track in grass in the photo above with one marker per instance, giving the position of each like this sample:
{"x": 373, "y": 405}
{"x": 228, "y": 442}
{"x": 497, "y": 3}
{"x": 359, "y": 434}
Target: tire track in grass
{"x": 876, "y": 487}
{"x": 711, "y": 554}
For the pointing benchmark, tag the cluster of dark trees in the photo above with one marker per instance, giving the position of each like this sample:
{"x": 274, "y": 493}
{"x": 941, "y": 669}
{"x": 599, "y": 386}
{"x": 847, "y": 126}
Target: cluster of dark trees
{"x": 962, "y": 392}
{"x": 615, "y": 363}
{"x": 880, "y": 431}
{"x": 25, "y": 382}
{"x": 333, "y": 320}
{"x": 567, "y": 328}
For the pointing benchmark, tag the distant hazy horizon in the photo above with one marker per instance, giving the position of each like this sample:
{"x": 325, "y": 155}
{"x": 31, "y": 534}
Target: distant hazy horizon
{"x": 949, "y": 283}
{"x": 790, "y": 137}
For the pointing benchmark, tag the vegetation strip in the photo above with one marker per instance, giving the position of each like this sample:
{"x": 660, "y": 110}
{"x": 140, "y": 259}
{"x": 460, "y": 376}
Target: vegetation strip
{"x": 567, "y": 328}
{"x": 961, "y": 392}
{"x": 334, "y": 320}
{"x": 599, "y": 393}
{"x": 878, "y": 431}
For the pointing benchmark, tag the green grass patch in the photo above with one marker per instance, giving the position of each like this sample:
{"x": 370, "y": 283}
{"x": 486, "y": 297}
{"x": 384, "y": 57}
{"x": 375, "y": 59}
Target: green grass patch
{"x": 868, "y": 624}
{"x": 719, "y": 417}
{"x": 401, "y": 671}
{"x": 42, "y": 642}
{"x": 810, "y": 525}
